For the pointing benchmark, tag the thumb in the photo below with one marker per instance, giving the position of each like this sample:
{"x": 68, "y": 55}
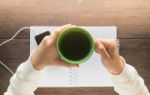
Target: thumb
{"x": 60, "y": 30}
{"x": 100, "y": 49}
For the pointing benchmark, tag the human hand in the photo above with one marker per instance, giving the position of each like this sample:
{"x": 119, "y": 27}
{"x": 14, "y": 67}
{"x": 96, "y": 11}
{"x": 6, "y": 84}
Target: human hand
{"x": 110, "y": 56}
{"x": 46, "y": 53}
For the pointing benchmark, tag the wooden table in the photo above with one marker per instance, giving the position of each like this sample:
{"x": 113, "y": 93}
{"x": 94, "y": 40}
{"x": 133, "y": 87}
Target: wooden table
{"x": 132, "y": 18}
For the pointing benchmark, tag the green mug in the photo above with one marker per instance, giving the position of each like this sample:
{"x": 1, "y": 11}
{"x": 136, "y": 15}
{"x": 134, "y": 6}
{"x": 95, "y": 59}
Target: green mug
{"x": 75, "y": 45}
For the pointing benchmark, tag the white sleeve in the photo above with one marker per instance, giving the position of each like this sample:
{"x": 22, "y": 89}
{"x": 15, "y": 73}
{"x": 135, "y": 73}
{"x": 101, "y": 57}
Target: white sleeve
{"x": 24, "y": 81}
{"x": 129, "y": 82}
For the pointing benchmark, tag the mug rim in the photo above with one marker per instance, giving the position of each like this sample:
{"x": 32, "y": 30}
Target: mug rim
{"x": 89, "y": 53}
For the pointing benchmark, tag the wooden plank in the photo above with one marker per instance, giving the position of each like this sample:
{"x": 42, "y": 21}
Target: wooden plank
{"x": 15, "y": 51}
{"x": 73, "y": 7}
{"x": 76, "y": 91}
{"x": 132, "y": 17}
{"x": 135, "y": 51}
{"x": 8, "y": 27}
{"x": 11, "y": 23}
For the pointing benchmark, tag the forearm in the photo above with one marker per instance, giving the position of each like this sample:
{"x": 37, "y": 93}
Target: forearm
{"x": 128, "y": 82}
{"x": 24, "y": 81}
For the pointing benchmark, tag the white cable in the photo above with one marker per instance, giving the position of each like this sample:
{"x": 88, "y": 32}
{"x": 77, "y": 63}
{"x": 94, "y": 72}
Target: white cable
{"x": 9, "y": 41}
{"x": 14, "y": 35}
{"x": 7, "y": 68}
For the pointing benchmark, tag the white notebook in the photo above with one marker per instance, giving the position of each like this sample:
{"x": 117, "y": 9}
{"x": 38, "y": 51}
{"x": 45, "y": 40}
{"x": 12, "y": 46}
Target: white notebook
{"x": 90, "y": 73}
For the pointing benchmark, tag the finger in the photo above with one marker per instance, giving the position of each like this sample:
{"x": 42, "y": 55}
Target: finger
{"x": 109, "y": 43}
{"x": 111, "y": 46}
{"x": 105, "y": 42}
{"x": 100, "y": 48}
{"x": 61, "y": 29}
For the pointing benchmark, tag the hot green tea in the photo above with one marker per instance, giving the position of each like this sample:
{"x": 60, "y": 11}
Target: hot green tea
{"x": 75, "y": 45}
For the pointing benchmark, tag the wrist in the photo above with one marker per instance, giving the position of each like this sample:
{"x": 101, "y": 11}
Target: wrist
{"x": 36, "y": 61}
{"x": 119, "y": 67}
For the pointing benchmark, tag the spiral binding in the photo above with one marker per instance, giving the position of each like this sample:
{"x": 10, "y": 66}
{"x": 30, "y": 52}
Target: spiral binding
{"x": 73, "y": 77}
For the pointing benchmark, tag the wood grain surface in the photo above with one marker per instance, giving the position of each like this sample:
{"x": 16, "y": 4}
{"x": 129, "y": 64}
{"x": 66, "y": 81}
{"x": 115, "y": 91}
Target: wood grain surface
{"x": 132, "y": 18}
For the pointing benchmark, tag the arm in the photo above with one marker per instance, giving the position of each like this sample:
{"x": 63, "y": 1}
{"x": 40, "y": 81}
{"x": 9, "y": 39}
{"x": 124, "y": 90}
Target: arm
{"x": 125, "y": 78}
{"x": 24, "y": 81}
{"x": 128, "y": 81}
